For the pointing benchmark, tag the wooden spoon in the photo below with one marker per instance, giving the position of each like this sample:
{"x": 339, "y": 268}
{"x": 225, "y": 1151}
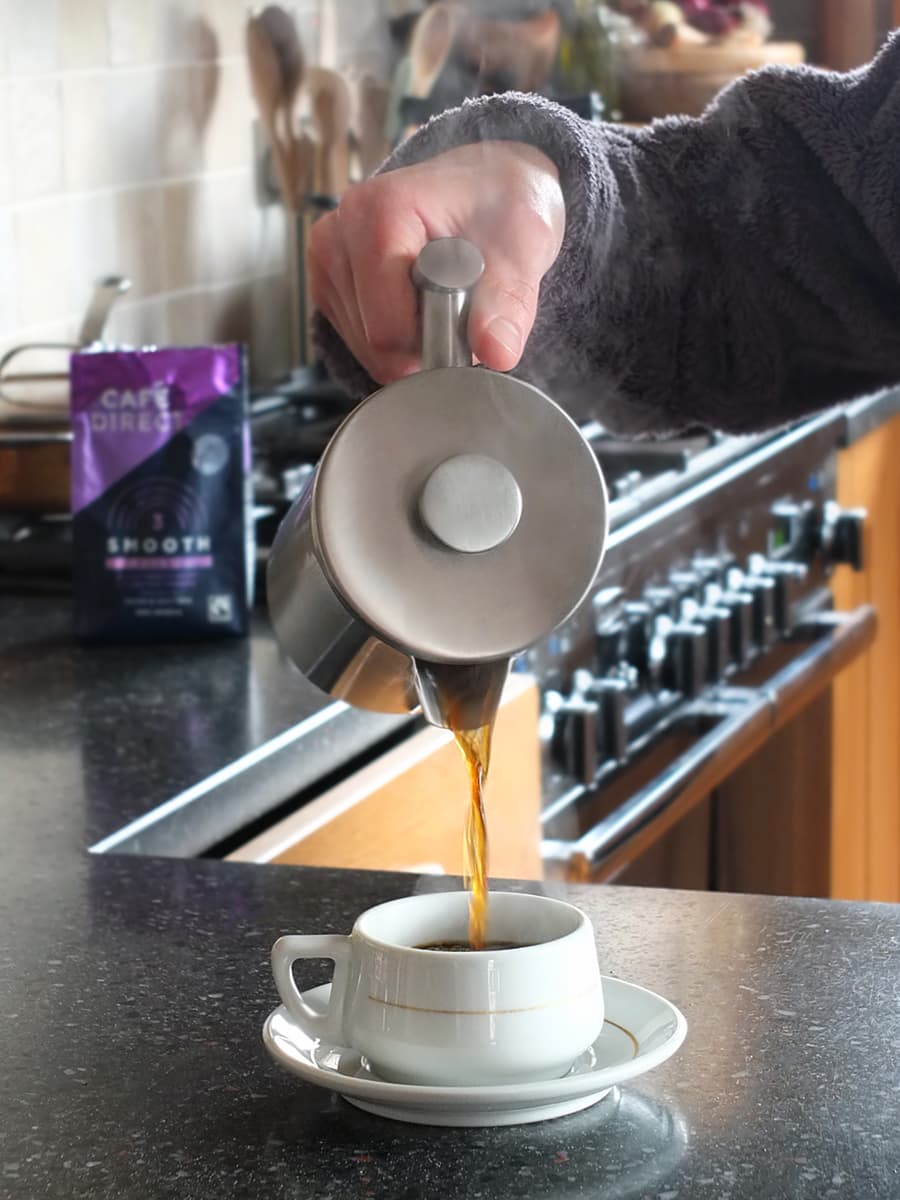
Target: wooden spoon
{"x": 282, "y": 31}
{"x": 432, "y": 40}
{"x": 371, "y": 120}
{"x": 331, "y": 104}
{"x": 266, "y": 83}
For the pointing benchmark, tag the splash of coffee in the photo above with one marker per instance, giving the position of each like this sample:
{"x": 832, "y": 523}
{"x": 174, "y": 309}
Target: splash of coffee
{"x": 466, "y": 700}
{"x": 475, "y": 747}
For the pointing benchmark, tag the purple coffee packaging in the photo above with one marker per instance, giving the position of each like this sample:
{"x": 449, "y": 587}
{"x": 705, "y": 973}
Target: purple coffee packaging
{"x": 162, "y": 519}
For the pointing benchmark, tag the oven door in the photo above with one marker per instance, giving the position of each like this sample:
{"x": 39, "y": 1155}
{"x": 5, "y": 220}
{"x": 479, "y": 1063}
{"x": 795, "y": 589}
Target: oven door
{"x": 735, "y": 793}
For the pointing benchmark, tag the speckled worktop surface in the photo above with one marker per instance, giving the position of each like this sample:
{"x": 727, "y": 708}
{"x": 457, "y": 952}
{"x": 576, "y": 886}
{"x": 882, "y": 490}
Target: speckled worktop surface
{"x": 133, "y": 990}
{"x": 157, "y": 749}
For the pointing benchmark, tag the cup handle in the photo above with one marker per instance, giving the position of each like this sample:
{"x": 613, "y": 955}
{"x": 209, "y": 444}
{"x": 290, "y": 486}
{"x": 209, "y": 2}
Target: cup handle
{"x": 327, "y": 1026}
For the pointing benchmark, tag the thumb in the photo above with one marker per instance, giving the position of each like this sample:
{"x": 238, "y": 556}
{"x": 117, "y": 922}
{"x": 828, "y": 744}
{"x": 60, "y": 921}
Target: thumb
{"x": 503, "y": 311}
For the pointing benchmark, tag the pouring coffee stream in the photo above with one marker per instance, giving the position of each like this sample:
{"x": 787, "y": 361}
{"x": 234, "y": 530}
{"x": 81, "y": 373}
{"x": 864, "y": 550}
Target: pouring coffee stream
{"x": 456, "y": 517}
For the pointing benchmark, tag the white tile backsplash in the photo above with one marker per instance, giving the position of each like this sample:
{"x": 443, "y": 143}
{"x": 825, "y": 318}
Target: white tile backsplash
{"x": 8, "y": 315}
{"x": 227, "y": 19}
{"x": 180, "y": 221}
{"x": 188, "y": 36}
{"x": 126, "y": 146}
{"x": 5, "y": 6}
{"x": 42, "y": 257}
{"x": 84, "y": 34}
{"x": 92, "y": 246}
{"x": 87, "y": 136}
{"x": 138, "y": 220}
{"x": 6, "y": 183}
{"x": 221, "y": 225}
{"x": 141, "y": 323}
{"x": 135, "y": 31}
{"x": 35, "y": 127}
{"x": 227, "y": 139}
{"x": 134, "y": 124}
{"x": 33, "y": 36}
{"x": 188, "y": 96}
{"x": 190, "y": 319}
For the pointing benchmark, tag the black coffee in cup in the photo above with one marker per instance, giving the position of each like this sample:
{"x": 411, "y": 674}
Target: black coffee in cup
{"x": 467, "y": 947}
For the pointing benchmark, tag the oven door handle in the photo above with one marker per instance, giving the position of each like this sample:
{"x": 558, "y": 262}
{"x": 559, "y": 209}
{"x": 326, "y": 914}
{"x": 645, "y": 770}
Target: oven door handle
{"x": 748, "y": 718}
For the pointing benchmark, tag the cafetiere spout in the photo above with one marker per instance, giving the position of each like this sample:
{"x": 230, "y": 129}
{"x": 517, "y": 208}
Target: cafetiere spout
{"x": 460, "y": 697}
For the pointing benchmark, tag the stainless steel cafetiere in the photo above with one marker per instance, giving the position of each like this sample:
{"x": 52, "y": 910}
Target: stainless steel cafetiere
{"x": 456, "y": 517}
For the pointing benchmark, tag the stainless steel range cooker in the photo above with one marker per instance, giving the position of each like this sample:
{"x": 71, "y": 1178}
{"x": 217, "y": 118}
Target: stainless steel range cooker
{"x": 710, "y": 636}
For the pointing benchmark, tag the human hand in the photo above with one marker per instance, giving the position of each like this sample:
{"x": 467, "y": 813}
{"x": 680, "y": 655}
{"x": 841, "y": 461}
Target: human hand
{"x": 503, "y": 196}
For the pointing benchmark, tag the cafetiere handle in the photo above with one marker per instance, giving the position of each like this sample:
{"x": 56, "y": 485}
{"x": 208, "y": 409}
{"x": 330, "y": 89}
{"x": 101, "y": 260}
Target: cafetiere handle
{"x": 445, "y": 273}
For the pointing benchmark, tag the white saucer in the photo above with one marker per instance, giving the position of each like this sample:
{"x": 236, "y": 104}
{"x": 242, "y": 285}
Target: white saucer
{"x": 641, "y": 1031}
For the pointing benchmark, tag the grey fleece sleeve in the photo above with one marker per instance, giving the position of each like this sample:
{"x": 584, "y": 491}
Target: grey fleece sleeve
{"x": 738, "y": 270}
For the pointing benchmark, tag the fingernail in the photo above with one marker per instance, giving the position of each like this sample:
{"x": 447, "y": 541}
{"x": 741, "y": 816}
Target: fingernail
{"x": 508, "y": 335}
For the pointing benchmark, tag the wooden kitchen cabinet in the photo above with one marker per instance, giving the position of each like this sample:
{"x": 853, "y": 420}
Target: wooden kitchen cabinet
{"x": 865, "y": 842}
{"x": 406, "y": 810}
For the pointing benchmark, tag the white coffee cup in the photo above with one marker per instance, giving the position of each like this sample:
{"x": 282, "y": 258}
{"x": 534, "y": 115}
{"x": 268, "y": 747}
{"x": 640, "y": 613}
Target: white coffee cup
{"x": 449, "y": 1017}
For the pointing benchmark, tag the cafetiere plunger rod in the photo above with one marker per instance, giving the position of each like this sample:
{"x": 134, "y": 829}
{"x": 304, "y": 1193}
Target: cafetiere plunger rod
{"x": 461, "y": 487}
{"x": 445, "y": 273}
{"x": 470, "y": 503}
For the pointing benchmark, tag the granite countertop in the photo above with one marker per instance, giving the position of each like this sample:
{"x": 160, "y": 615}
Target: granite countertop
{"x": 134, "y": 992}
{"x": 133, "y": 989}
{"x": 158, "y": 749}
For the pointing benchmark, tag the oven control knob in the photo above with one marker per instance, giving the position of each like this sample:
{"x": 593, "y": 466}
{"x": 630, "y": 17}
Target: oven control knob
{"x": 657, "y": 650}
{"x": 609, "y": 646}
{"x": 685, "y": 664}
{"x": 740, "y": 624}
{"x": 663, "y": 601}
{"x": 688, "y": 584}
{"x": 611, "y": 696}
{"x": 795, "y": 528}
{"x": 712, "y": 568}
{"x": 717, "y": 623}
{"x": 575, "y": 735}
{"x": 762, "y": 589}
{"x": 789, "y": 579}
{"x": 638, "y": 618}
{"x": 843, "y": 534}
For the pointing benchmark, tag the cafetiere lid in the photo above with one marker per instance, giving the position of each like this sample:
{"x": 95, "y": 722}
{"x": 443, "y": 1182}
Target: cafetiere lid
{"x": 460, "y": 514}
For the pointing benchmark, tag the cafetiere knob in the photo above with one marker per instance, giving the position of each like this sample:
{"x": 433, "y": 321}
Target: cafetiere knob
{"x": 471, "y": 503}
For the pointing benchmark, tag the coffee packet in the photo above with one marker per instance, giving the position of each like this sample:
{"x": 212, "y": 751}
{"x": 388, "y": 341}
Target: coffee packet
{"x": 162, "y": 524}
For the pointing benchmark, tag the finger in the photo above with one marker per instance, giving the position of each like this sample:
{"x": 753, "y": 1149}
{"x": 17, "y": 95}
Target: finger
{"x": 330, "y": 277}
{"x": 502, "y": 314}
{"x": 331, "y": 284}
{"x": 383, "y": 235}
{"x": 334, "y": 290}
{"x": 384, "y": 368}
{"x": 521, "y": 249}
